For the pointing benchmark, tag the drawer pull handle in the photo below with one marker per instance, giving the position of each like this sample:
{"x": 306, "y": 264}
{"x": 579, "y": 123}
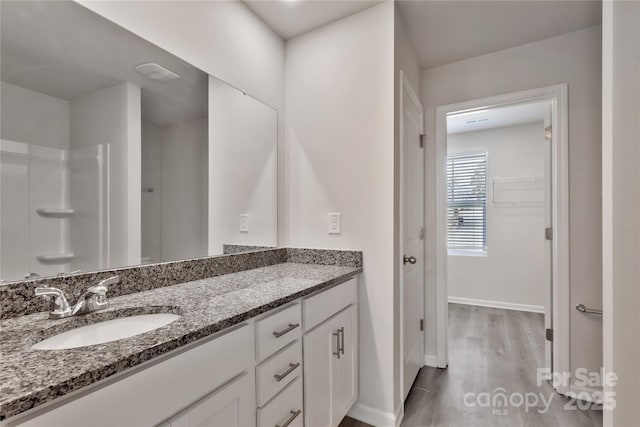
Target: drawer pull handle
{"x": 341, "y": 330}
{"x": 293, "y": 416}
{"x": 290, "y": 328}
{"x": 292, "y": 367}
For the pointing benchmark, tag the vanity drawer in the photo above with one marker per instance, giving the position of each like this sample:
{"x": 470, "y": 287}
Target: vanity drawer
{"x": 320, "y": 307}
{"x": 274, "y": 374}
{"x": 277, "y": 330}
{"x": 284, "y": 409}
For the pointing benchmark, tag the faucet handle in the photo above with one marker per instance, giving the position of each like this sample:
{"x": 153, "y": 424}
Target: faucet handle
{"x": 103, "y": 286}
{"x": 61, "y": 306}
{"x": 110, "y": 281}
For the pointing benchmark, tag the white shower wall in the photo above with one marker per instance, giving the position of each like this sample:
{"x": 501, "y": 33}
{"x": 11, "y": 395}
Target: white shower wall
{"x": 109, "y": 116}
{"x": 33, "y": 174}
{"x": 32, "y": 177}
{"x": 58, "y": 154}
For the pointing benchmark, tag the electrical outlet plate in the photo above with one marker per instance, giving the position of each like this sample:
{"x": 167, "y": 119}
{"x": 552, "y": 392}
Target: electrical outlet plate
{"x": 244, "y": 223}
{"x": 334, "y": 223}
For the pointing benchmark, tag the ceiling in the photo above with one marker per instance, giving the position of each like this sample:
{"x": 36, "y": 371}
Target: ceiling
{"x": 64, "y": 50}
{"x": 497, "y": 117}
{"x": 444, "y": 31}
{"x": 447, "y": 31}
{"x": 290, "y": 18}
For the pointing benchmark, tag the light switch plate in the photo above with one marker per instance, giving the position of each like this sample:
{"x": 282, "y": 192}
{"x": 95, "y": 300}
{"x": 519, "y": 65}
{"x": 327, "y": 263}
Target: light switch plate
{"x": 334, "y": 223}
{"x": 244, "y": 223}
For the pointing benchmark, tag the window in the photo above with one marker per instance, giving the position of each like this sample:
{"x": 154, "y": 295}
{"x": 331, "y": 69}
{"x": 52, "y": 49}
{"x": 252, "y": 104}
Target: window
{"x": 467, "y": 203}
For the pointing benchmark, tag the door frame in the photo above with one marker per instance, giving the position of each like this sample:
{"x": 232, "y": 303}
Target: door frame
{"x": 558, "y": 95}
{"x": 406, "y": 88}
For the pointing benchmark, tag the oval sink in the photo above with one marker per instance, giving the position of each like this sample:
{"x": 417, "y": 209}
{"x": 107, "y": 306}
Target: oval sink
{"x": 107, "y": 331}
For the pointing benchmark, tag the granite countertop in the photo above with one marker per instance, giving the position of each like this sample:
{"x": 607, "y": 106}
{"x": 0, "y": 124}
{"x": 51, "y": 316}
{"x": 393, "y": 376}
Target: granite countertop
{"x": 29, "y": 378}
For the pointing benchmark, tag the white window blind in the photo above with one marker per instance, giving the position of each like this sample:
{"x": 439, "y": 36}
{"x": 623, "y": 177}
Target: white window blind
{"x": 467, "y": 201}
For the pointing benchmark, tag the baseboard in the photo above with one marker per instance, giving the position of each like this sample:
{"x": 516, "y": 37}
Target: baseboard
{"x": 430, "y": 360}
{"x": 375, "y": 417}
{"x": 497, "y": 304}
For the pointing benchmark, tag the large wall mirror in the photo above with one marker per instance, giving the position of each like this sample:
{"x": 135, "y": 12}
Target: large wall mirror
{"x": 114, "y": 152}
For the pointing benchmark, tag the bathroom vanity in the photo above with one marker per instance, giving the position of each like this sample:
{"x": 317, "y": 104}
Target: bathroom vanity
{"x": 140, "y": 192}
{"x": 269, "y": 346}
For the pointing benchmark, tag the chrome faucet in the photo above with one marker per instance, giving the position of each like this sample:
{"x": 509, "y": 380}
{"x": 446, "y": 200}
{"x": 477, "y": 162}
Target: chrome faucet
{"x": 61, "y": 307}
{"x": 93, "y": 299}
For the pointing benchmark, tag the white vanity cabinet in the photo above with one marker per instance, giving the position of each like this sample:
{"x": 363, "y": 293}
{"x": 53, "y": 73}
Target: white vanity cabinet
{"x": 331, "y": 357}
{"x": 201, "y": 381}
{"x": 231, "y": 406}
{"x": 294, "y": 366}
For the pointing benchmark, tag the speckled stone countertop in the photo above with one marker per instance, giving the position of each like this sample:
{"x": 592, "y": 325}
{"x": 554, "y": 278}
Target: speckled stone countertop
{"x": 29, "y": 378}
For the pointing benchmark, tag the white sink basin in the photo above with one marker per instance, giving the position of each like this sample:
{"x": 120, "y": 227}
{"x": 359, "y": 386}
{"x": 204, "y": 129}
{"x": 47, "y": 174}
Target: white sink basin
{"x": 107, "y": 331}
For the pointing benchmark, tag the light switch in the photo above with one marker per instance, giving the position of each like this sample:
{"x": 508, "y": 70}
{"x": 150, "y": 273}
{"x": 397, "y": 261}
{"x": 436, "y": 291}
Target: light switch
{"x": 334, "y": 223}
{"x": 244, "y": 223}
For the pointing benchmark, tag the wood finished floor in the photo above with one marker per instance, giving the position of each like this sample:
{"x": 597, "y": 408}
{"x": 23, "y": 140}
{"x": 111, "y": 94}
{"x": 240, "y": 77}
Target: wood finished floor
{"x": 488, "y": 348}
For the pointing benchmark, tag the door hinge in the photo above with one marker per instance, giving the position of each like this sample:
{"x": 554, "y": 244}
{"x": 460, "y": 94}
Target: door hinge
{"x": 422, "y": 137}
{"x": 548, "y": 334}
{"x": 421, "y": 233}
{"x": 548, "y": 233}
{"x": 548, "y": 133}
{"x": 422, "y": 324}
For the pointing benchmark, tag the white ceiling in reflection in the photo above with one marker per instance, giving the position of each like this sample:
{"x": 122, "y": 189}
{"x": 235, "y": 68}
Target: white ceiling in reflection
{"x": 64, "y": 50}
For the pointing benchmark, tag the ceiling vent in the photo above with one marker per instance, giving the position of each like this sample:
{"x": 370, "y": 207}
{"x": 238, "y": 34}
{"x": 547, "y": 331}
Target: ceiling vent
{"x": 156, "y": 72}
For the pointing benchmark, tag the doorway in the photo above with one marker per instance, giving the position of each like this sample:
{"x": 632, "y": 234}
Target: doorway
{"x": 464, "y": 228}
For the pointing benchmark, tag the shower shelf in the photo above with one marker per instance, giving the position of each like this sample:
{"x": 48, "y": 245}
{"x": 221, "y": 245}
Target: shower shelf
{"x": 55, "y": 212}
{"x": 63, "y": 258}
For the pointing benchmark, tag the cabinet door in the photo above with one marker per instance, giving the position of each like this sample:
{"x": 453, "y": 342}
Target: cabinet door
{"x": 331, "y": 381}
{"x": 318, "y": 346}
{"x": 231, "y": 406}
{"x": 344, "y": 370}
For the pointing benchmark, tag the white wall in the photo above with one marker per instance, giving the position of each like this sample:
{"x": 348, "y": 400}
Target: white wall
{"x": 111, "y": 116}
{"x": 243, "y": 169}
{"x": 621, "y": 207}
{"x": 222, "y": 38}
{"x": 33, "y": 117}
{"x": 574, "y": 58}
{"x": 340, "y": 158}
{"x": 183, "y": 189}
{"x": 513, "y": 271}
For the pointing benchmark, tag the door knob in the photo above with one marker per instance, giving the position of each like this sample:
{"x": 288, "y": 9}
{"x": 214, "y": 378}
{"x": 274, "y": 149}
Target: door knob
{"x": 410, "y": 259}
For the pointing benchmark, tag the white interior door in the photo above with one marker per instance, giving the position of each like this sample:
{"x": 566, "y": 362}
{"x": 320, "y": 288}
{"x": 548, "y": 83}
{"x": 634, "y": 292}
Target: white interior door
{"x": 412, "y": 223}
{"x": 548, "y": 247}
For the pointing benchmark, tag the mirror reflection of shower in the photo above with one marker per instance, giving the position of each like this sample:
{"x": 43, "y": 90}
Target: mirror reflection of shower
{"x": 53, "y": 199}
{"x": 112, "y": 159}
